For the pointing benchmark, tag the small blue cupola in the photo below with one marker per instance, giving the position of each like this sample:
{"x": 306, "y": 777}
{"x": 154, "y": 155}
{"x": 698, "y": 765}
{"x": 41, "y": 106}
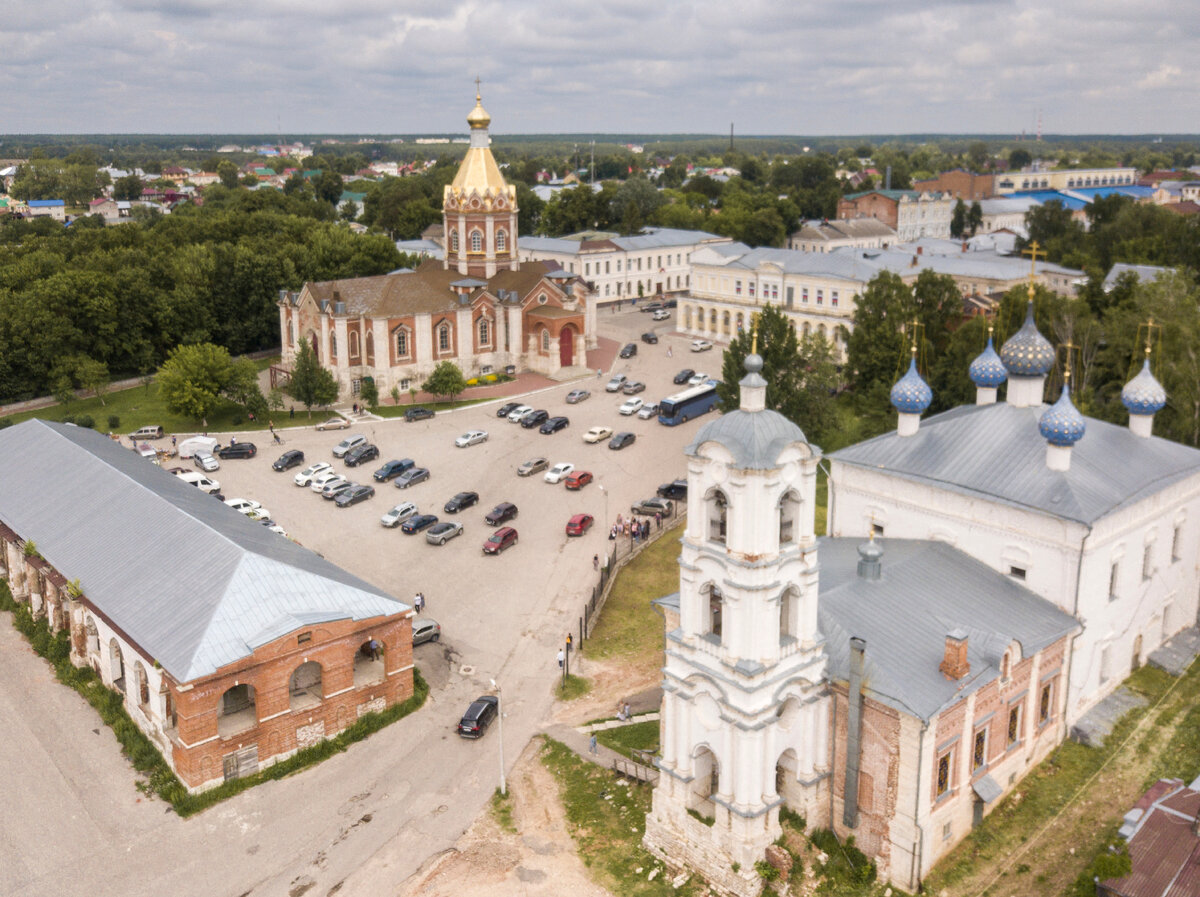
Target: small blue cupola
{"x": 911, "y": 396}
{"x": 1143, "y": 397}
{"x": 1062, "y": 426}
{"x": 987, "y": 372}
{"x": 1028, "y": 357}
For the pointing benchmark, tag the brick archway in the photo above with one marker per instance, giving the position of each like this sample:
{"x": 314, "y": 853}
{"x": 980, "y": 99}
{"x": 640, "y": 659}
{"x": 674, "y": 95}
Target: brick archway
{"x": 566, "y": 346}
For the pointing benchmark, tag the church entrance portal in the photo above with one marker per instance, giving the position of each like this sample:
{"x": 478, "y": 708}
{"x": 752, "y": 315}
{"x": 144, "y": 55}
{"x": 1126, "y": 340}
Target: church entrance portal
{"x": 566, "y": 347}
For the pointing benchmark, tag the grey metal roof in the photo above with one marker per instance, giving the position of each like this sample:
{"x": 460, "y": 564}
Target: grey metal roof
{"x": 755, "y": 438}
{"x": 997, "y": 451}
{"x": 839, "y": 264}
{"x": 550, "y": 244}
{"x": 1144, "y": 273}
{"x": 194, "y": 583}
{"x": 927, "y": 589}
{"x": 983, "y": 264}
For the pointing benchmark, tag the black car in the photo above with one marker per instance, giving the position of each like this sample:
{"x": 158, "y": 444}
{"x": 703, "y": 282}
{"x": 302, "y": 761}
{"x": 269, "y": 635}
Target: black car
{"x": 671, "y": 303}
{"x": 461, "y": 502}
{"x": 684, "y": 376}
{"x": 479, "y": 716}
{"x": 651, "y": 306}
{"x": 675, "y": 490}
{"x": 507, "y": 408}
{"x": 393, "y": 469}
{"x": 361, "y": 453}
{"x": 651, "y": 338}
{"x": 628, "y": 350}
{"x": 418, "y": 523}
{"x": 294, "y": 458}
{"x": 417, "y": 413}
{"x": 354, "y": 495}
{"x": 411, "y": 476}
{"x": 621, "y": 440}
{"x": 237, "y": 450}
{"x": 554, "y": 424}
{"x": 506, "y": 510}
{"x": 534, "y": 418}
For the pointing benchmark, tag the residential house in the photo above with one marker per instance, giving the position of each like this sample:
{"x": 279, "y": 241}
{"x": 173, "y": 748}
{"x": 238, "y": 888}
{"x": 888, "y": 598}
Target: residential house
{"x": 910, "y": 213}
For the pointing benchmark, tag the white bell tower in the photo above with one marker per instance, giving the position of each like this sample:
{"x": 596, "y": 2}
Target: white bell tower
{"x": 745, "y": 714}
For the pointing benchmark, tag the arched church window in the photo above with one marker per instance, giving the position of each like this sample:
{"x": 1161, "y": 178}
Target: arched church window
{"x": 444, "y": 338}
{"x": 333, "y": 345}
{"x": 353, "y": 343}
{"x": 501, "y": 241}
{"x": 485, "y": 332}
{"x": 716, "y": 504}
{"x": 401, "y": 343}
{"x": 291, "y": 335}
{"x": 476, "y": 241}
{"x": 789, "y": 516}
{"x": 545, "y": 340}
{"x": 454, "y": 241}
{"x": 370, "y": 347}
{"x": 713, "y": 613}
{"x": 789, "y": 615}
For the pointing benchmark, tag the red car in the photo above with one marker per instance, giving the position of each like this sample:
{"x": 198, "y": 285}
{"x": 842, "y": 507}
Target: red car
{"x": 500, "y": 540}
{"x": 579, "y": 524}
{"x": 579, "y": 479}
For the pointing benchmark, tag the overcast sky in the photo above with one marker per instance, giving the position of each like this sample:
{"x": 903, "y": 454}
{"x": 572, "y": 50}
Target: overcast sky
{"x": 768, "y": 66}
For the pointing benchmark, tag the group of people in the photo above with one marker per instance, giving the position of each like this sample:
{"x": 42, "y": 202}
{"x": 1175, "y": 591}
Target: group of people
{"x": 638, "y": 529}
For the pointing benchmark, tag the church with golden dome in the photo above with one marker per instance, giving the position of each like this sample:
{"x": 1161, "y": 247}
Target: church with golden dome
{"x": 480, "y": 307}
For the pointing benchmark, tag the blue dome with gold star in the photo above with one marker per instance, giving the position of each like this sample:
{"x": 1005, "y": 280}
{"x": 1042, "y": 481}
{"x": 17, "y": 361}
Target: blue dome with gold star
{"x": 1027, "y": 353}
{"x": 1144, "y": 394}
{"x": 987, "y": 371}
{"x": 1061, "y": 423}
{"x": 911, "y": 394}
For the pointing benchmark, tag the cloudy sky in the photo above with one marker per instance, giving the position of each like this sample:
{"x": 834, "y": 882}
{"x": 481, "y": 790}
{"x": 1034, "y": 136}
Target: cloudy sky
{"x": 768, "y": 66}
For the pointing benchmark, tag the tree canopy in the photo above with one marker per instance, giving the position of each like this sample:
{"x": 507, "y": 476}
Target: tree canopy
{"x": 446, "y": 380}
{"x": 311, "y": 383}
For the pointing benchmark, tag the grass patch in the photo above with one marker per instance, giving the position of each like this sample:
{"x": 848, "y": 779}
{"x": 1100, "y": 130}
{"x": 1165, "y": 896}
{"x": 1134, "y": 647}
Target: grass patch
{"x": 398, "y": 410}
{"x": 634, "y": 737}
{"x": 502, "y": 811}
{"x": 574, "y": 687}
{"x": 142, "y": 752}
{"x": 606, "y": 817}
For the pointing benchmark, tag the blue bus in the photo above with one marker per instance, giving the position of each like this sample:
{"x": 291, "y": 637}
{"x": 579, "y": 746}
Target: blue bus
{"x": 683, "y": 406}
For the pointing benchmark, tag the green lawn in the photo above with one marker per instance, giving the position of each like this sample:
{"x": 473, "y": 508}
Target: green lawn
{"x": 626, "y": 739}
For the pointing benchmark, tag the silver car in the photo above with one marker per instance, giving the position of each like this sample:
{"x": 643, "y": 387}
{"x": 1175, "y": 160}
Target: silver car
{"x": 441, "y": 533}
{"x": 398, "y": 514}
{"x": 205, "y": 461}
{"x": 577, "y": 395}
{"x": 340, "y": 450}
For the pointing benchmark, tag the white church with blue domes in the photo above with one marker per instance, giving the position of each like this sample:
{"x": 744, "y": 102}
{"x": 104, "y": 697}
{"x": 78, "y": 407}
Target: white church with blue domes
{"x": 990, "y": 574}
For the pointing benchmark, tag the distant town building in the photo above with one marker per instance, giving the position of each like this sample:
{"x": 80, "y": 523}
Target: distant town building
{"x": 47, "y": 208}
{"x": 842, "y": 233}
{"x": 959, "y": 184}
{"x": 1065, "y": 179}
{"x": 910, "y": 213}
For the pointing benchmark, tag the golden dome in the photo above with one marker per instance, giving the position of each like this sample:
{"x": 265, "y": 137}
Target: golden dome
{"x": 478, "y": 117}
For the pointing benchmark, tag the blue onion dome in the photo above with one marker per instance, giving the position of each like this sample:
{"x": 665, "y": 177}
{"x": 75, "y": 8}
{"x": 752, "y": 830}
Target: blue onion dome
{"x": 987, "y": 371}
{"x": 1144, "y": 394}
{"x": 911, "y": 394}
{"x": 1027, "y": 353}
{"x": 1061, "y": 423}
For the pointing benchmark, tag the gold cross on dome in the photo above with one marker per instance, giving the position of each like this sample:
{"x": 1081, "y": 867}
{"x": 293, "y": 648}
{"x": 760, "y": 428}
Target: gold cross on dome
{"x": 754, "y": 333}
{"x": 477, "y": 96}
{"x": 1033, "y": 251}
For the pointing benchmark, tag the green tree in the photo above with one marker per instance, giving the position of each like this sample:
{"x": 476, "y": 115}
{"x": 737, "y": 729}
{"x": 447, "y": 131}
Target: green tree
{"x": 1018, "y": 159}
{"x": 228, "y": 172}
{"x": 311, "y": 383}
{"x": 241, "y": 386}
{"x": 958, "y": 221}
{"x": 978, "y": 157}
{"x": 328, "y": 186}
{"x": 128, "y": 187}
{"x": 369, "y": 393}
{"x": 636, "y": 201}
{"x": 93, "y": 376}
{"x": 974, "y": 218}
{"x": 192, "y": 378}
{"x": 446, "y": 380}
{"x": 877, "y": 347}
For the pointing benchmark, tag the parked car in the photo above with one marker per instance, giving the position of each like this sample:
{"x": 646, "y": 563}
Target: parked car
{"x": 579, "y": 524}
{"x": 354, "y": 495}
{"x": 650, "y": 306}
{"x": 393, "y": 469}
{"x": 502, "y": 513}
{"x": 308, "y": 474}
{"x": 597, "y": 434}
{"x": 342, "y": 448}
{"x": 360, "y": 454}
{"x": 441, "y": 533}
{"x": 554, "y": 424}
{"x": 556, "y": 473}
{"x": 647, "y": 411}
{"x": 661, "y": 314}
{"x": 199, "y": 480}
{"x": 411, "y": 477}
{"x": 507, "y": 408}
{"x": 399, "y": 514}
{"x": 532, "y": 466}
{"x": 621, "y": 440}
{"x": 237, "y": 450}
{"x": 461, "y": 502}
{"x": 697, "y": 379}
{"x": 534, "y": 418}
{"x": 519, "y": 412}
{"x": 578, "y": 479}
{"x": 614, "y": 384}
{"x": 628, "y": 350}
{"x": 683, "y": 376}
{"x": 333, "y": 489}
{"x": 417, "y": 413}
{"x": 503, "y": 538}
{"x": 675, "y": 490}
{"x": 249, "y": 507}
{"x": 425, "y": 629}
{"x": 701, "y": 345}
{"x": 334, "y": 423}
{"x": 632, "y": 387}
{"x": 650, "y": 338}
{"x": 471, "y": 437}
{"x": 151, "y": 432}
{"x": 205, "y": 461}
{"x": 418, "y": 522}
{"x": 188, "y": 447}
{"x": 576, "y": 396}
{"x": 479, "y": 716}
{"x": 321, "y": 480}
{"x": 652, "y": 506}
{"x": 631, "y": 406}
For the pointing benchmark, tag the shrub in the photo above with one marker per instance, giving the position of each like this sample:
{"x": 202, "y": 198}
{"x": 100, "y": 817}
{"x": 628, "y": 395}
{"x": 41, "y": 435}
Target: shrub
{"x": 114, "y": 422}
{"x": 792, "y": 818}
{"x": 5, "y": 423}
{"x": 710, "y": 821}
{"x": 474, "y": 381}
{"x": 766, "y": 871}
{"x": 67, "y": 419}
{"x": 85, "y": 420}
{"x": 237, "y": 420}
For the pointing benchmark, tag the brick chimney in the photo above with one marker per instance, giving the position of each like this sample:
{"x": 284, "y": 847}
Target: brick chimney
{"x": 954, "y": 664}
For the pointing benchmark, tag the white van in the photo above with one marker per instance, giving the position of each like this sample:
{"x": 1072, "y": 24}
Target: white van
{"x": 147, "y": 433}
{"x": 188, "y": 447}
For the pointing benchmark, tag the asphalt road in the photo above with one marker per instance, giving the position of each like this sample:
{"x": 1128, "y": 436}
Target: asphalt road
{"x": 368, "y": 818}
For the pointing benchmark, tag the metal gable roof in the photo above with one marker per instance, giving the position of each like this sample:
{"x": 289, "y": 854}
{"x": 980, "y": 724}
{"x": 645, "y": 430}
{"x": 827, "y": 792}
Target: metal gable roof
{"x": 192, "y": 582}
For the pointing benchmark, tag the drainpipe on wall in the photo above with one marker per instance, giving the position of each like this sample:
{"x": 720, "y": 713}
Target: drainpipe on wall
{"x": 919, "y": 845}
{"x": 853, "y": 733}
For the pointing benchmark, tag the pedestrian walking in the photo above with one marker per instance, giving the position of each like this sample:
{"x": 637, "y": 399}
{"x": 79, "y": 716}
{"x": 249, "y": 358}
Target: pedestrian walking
{"x": 561, "y": 657}
{"x": 570, "y": 641}
{"x": 612, "y": 533}
{"x": 292, "y": 412}
{"x": 628, "y": 713}
{"x": 172, "y": 442}
{"x": 599, "y": 373}
{"x": 658, "y": 519}
{"x": 669, "y": 353}
{"x": 592, "y": 749}
{"x": 204, "y": 425}
{"x": 374, "y": 646}
{"x": 595, "y": 562}
{"x": 419, "y": 602}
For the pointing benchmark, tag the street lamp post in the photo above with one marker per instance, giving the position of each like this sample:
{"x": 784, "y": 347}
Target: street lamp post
{"x": 500, "y": 714}
{"x": 604, "y": 491}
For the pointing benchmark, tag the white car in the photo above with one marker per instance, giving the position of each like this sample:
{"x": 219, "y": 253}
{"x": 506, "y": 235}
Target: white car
{"x": 205, "y": 461}
{"x": 249, "y": 507}
{"x": 558, "y": 472}
{"x": 647, "y": 411}
{"x": 399, "y": 514}
{"x": 631, "y": 406}
{"x": 258, "y": 514}
{"x": 697, "y": 379}
{"x": 321, "y": 480}
{"x": 596, "y": 434}
{"x": 308, "y": 474}
{"x": 614, "y": 385}
{"x": 340, "y": 450}
{"x": 471, "y": 437}
{"x": 199, "y": 480}
{"x": 519, "y": 412}
{"x": 334, "y": 423}
{"x": 701, "y": 345}
{"x": 276, "y": 528}
{"x": 660, "y": 314}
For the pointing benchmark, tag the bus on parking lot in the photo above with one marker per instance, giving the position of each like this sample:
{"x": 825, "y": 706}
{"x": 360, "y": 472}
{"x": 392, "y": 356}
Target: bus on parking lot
{"x": 683, "y": 406}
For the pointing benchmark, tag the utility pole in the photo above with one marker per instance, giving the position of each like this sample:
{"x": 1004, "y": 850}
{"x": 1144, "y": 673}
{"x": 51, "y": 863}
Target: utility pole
{"x": 731, "y": 136}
